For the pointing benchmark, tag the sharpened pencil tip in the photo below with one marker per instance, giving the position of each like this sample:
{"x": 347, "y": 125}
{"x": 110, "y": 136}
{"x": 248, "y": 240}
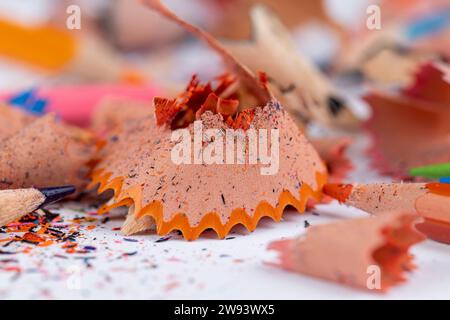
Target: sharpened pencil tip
{"x": 340, "y": 192}
{"x": 56, "y": 193}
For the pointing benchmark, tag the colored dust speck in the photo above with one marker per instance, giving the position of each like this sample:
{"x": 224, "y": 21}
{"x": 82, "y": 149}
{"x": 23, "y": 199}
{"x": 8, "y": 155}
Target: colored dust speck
{"x": 43, "y": 229}
{"x": 171, "y": 285}
{"x": 163, "y": 239}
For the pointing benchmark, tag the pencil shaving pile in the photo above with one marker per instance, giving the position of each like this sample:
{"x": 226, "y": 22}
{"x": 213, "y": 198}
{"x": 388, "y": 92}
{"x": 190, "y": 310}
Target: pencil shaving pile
{"x": 267, "y": 85}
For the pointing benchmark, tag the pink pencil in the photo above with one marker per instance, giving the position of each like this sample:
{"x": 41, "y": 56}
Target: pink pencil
{"x": 75, "y": 103}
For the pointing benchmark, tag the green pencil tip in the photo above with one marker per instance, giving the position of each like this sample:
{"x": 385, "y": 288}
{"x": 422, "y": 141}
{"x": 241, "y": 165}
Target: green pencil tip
{"x": 435, "y": 171}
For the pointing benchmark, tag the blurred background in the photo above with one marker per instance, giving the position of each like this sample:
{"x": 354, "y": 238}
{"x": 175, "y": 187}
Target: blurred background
{"x": 124, "y": 32}
{"x": 128, "y": 50}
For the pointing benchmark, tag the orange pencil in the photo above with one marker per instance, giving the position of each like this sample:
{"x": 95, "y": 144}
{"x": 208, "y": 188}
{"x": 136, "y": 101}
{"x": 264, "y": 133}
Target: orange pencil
{"x": 57, "y": 50}
{"x": 429, "y": 200}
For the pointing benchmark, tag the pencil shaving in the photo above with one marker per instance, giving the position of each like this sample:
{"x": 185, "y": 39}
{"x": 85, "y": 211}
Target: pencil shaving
{"x": 333, "y": 153}
{"x": 193, "y": 198}
{"x": 305, "y": 92}
{"x": 431, "y": 84}
{"x": 12, "y": 120}
{"x": 257, "y": 89}
{"x": 390, "y": 67}
{"x": 112, "y": 114}
{"x": 418, "y": 115}
{"x": 34, "y": 155}
{"x": 349, "y": 251}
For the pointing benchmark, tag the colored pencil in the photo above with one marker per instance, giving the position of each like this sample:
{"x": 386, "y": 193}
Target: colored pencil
{"x": 429, "y": 200}
{"x": 444, "y": 180}
{"x": 16, "y": 203}
{"x": 435, "y": 171}
{"x": 57, "y": 50}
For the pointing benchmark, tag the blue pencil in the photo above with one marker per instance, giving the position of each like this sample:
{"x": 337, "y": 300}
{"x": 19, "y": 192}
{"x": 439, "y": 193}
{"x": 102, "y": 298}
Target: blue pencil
{"x": 444, "y": 180}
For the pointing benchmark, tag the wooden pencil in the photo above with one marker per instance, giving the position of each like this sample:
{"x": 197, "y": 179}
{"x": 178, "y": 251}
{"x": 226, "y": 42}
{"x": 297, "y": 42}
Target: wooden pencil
{"x": 429, "y": 200}
{"x": 16, "y": 203}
